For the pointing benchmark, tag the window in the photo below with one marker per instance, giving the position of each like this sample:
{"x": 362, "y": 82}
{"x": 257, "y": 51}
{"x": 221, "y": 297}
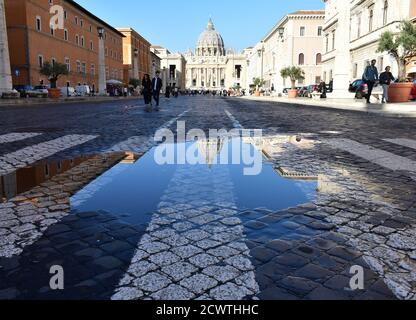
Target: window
{"x": 68, "y": 64}
{"x": 302, "y": 31}
{"x": 77, "y": 40}
{"x": 301, "y": 59}
{"x": 82, "y": 42}
{"x": 333, "y": 40}
{"x": 90, "y": 28}
{"x": 84, "y": 68}
{"x": 91, "y": 45}
{"x": 76, "y": 20}
{"x": 40, "y": 61}
{"x": 66, "y": 35}
{"x": 318, "y": 58}
{"x": 370, "y": 20}
{"x": 330, "y": 76}
{"x": 359, "y": 25}
{"x": 385, "y": 12}
{"x": 65, "y": 15}
{"x": 319, "y": 31}
{"x": 107, "y": 73}
{"x": 38, "y": 23}
{"x": 78, "y": 66}
{"x": 81, "y": 22}
{"x": 93, "y": 69}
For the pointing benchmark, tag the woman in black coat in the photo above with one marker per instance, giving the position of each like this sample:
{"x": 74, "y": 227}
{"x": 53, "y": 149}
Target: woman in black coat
{"x": 147, "y": 89}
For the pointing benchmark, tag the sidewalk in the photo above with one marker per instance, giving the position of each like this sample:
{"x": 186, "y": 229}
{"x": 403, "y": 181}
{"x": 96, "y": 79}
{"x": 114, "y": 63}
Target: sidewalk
{"x": 407, "y": 109}
{"x": 43, "y": 101}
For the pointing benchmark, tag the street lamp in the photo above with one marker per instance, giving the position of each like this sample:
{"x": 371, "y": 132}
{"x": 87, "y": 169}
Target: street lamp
{"x": 136, "y": 68}
{"x": 100, "y": 31}
{"x": 102, "y": 86}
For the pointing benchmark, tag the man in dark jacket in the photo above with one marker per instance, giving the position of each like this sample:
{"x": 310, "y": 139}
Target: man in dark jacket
{"x": 370, "y": 77}
{"x": 156, "y": 87}
{"x": 386, "y": 79}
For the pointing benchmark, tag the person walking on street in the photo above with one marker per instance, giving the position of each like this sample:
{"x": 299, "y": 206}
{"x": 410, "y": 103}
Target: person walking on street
{"x": 370, "y": 77}
{"x": 147, "y": 92}
{"x": 156, "y": 87}
{"x": 386, "y": 79}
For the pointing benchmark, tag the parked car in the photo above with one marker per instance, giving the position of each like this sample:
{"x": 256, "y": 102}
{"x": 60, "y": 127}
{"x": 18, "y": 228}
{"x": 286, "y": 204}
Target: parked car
{"x": 360, "y": 88}
{"x": 68, "y": 91}
{"x": 38, "y": 92}
{"x": 413, "y": 93}
{"x": 23, "y": 90}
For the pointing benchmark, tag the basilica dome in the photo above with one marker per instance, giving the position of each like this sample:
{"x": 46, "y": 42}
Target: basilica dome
{"x": 210, "y": 42}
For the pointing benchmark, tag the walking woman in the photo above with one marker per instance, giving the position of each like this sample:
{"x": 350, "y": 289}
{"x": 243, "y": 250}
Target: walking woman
{"x": 147, "y": 92}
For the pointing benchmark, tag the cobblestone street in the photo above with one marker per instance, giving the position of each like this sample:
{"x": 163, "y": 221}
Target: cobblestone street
{"x": 347, "y": 199}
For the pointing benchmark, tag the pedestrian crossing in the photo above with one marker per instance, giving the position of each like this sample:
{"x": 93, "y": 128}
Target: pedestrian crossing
{"x": 29, "y": 155}
{"x": 408, "y": 143}
{"x": 380, "y": 157}
{"x": 17, "y": 136}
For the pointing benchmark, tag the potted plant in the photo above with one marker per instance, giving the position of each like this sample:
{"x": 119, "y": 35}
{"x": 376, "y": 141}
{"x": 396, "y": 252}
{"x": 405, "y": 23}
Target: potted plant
{"x": 294, "y": 74}
{"x": 134, "y": 83}
{"x": 402, "y": 47}
{"x": 258, "y": 83}
{"x": 53, "y": 71}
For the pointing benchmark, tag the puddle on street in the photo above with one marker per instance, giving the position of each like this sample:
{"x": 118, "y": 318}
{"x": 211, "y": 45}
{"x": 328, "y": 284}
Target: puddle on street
{"x": 133, "y": 189}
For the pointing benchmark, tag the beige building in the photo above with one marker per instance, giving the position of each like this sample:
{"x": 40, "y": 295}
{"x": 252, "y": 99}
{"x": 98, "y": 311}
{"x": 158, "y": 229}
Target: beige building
{"x": 296, "y": 40}
{"x": 209, "y": 67}
{"x": 351, "y": 33}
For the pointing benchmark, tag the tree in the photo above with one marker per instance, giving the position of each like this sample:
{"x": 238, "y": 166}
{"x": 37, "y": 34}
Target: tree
{"x": 53, "y": 71}
{"x": 257, "y": 82}
{"x": 134, "y": 82}
{"x": 401, "y": 46}
{"x": 294, "y": 73}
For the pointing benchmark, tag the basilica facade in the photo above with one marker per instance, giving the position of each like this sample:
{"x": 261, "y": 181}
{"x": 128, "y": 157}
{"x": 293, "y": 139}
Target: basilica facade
{"x": 209, "y": 67}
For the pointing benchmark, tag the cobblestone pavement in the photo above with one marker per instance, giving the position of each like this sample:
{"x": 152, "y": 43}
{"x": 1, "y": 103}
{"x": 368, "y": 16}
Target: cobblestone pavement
{"x": 199, "y": 244}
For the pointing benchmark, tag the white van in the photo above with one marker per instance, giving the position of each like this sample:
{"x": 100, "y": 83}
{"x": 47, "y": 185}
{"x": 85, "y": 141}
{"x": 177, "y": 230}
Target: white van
{"x": 83, "y": 90}
{"x": 67, "y": 91}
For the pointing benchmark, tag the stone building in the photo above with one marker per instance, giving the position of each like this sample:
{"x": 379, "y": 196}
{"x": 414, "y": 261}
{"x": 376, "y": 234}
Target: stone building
{"x": 209, "y": 67}
{"x": 296, "y": 40}
{"x": 351, "y": 33}
{"x": 32, "y": 42}
{"x": 136, "y": 55}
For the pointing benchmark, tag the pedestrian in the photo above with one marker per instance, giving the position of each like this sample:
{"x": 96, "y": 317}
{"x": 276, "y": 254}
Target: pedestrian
{"x": 167, "y": 93}
{"x": 156, "y": 87}
{"x": 386, "y": 79}
{"x": 322, "y": 89}
{"x": 147, "y": 92}
{"x": 370, "y": 77}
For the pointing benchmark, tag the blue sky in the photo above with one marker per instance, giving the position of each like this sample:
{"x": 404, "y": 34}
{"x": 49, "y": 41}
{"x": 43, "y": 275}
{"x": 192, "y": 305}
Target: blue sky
{"x": 176, "y": 24}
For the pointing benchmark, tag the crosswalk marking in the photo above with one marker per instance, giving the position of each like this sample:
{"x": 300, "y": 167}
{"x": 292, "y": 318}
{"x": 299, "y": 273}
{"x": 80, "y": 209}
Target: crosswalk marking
{"x": 16, "y": 136}
{"x": 29, "y": 155}
{"x": 409, "y": 143}
{"x": 380, "y": 157}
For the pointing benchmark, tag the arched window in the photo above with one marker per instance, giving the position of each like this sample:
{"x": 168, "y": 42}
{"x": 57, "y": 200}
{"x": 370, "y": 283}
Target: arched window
{"x": 318, "y": 58}
{"x": 301, "y": 59}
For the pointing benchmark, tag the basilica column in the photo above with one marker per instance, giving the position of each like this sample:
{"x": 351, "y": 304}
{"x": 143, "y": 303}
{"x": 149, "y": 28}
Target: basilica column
{"x": 6, "y": 84}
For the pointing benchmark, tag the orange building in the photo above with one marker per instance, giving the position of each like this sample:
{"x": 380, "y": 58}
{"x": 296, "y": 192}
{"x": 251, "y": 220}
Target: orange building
{"x": 32, "y": 42}
{"x": 136, "y": 55}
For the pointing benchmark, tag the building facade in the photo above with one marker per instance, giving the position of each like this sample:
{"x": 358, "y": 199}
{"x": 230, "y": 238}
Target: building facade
{"x": 351, "y": 34}
{"x": 5, "y": 71}
{"x": 296, "y": 40}
{"x": 172, "y": 66}
{"x": 211, "y": 66}
{"x": 32, "y": 42}
{"x": 136, "y": 55}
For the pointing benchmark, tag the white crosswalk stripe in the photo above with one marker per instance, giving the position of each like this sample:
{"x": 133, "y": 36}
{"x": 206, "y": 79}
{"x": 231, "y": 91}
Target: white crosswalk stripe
{"x": 380, "y": 157}
{"x": 17, "y": 136}
{"x": 409, "y": 143}
{"x": 29, "y": 155}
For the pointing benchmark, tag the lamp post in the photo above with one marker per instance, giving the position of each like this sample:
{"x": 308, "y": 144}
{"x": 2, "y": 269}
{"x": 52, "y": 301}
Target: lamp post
{"x": 102, "y": 86}
{"x": 6, "y": 84}
{"x": 261, "y": 55}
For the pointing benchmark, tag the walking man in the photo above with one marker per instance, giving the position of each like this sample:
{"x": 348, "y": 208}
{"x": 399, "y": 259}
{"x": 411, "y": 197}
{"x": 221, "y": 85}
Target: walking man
{"x": 385, "y": 80}
{"x": 370, "y": 77}
{"x": 156, "y": 87}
